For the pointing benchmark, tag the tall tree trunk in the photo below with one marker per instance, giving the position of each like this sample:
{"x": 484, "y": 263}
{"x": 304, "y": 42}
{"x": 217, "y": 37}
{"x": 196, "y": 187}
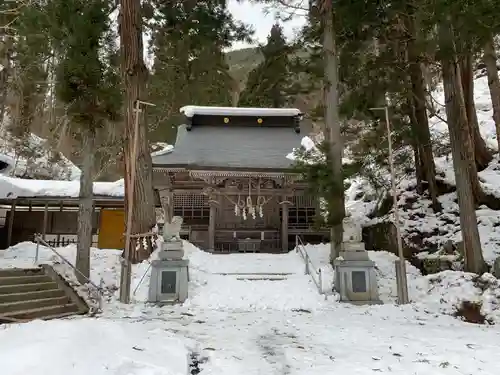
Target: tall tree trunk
{"x": 490, "y": 60}
{"x": 332, "y": 122}
{"x": 421, "y": 123}
{"x": 85, "y": 208}
{"x": 135, "y": 74}
{"x": 472, "y": 170}
{"x": 5, "y": 56}
{"x": 482, "y": 155}
{"x": 27, "y": 107}
{"x": 419, "y": 169}
{"x": 461, "y": 148}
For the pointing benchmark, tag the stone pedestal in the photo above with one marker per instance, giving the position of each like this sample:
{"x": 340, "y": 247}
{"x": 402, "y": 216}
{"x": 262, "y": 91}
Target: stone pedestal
{"x": 172, "y": 250}
{"x": 355, "y": 277}
{"x": 169, "y": 275}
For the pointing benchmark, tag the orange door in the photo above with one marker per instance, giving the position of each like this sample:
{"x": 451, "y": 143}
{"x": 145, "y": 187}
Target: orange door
{"x": 111, "y": 229}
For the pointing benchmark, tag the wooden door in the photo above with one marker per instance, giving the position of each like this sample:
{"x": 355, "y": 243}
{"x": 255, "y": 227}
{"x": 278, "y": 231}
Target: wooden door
{"x": 111, "y": 229}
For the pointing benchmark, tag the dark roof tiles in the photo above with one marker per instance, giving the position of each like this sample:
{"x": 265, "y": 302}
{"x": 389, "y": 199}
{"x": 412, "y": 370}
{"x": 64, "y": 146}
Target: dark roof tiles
{"x": 231, "y": 147}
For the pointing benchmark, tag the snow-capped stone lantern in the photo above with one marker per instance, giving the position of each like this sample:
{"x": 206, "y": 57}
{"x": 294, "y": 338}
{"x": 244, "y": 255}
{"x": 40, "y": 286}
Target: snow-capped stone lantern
{"x": 355, "y": 277}
{"x": 169, "y": 273}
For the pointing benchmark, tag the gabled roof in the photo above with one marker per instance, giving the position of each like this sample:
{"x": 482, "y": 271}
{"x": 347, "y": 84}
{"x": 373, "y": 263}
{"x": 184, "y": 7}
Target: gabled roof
{"x": 237, "y": 145}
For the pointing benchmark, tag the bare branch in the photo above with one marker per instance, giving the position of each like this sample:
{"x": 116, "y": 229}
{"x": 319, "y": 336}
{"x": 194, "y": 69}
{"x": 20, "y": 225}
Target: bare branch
{"x": 292, "y": 8}
{"x": 15, "y": 11}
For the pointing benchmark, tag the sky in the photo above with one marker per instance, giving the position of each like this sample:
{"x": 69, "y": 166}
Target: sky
{"x": 262, "y": 19}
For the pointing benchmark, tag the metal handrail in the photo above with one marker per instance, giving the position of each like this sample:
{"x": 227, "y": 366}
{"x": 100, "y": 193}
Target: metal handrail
{"x": 142, "y": 279}
{"x": 301, "y": 249}
{"x": 39, "y": 240}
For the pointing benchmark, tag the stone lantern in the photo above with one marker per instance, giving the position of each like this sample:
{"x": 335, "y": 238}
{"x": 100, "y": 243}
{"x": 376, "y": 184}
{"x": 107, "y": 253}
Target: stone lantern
{"x": 169, "y": 274}
{"x": 355, "y": 277}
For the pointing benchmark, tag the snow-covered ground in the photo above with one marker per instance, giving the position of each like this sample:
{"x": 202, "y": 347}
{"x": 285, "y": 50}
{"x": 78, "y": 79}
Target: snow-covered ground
{"x": 258, "y": 327}
{"x": 91, "y": 346}
{"x": 431, "y": 230}
{"x": 484, "y": 111}
{"x": 33, "y": 158}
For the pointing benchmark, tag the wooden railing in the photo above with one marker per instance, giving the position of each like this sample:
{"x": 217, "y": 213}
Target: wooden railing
{"x": 63, "y": 240}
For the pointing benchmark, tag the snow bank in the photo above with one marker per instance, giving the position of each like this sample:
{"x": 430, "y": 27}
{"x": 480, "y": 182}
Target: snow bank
{"x": 161, "y": 148}
{"x": 424, "y": 229}
{"x": 445, "y": 292}
{"x": 33, "y": 157}
{"x": 220, "y": 282}
{"x": 90, "y": 346}
{"x": 484, "y": 111}
{"x": 441, "y": 293}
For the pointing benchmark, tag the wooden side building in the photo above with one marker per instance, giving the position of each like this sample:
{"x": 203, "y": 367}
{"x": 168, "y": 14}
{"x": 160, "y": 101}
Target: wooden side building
{"x": 50, "y": 208}
{"x": 229, "y": 177}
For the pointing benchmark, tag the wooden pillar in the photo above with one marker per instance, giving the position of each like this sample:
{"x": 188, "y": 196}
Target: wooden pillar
{"x": 45, "y": 219}
{"x": 11, "y": 223}
{"x": 92, "y": 227}
{"x": 61, "y": 209}
{"x": 284, "y": 224}
{"x": 211, "y": 223}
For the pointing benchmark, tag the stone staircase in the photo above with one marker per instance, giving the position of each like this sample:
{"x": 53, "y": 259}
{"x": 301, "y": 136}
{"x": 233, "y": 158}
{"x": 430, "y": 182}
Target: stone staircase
{"x": 258, "y": 276}
{"x": 36, "y": 293}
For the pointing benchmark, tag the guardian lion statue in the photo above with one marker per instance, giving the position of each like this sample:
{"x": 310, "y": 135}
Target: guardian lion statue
{"x": 171, "y": 230}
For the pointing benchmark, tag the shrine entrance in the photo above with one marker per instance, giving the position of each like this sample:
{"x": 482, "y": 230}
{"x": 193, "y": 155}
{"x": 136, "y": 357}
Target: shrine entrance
{"x": 248, "y": 224}
{"x": 229, "y": 178}
{"x": 247, "y": 216}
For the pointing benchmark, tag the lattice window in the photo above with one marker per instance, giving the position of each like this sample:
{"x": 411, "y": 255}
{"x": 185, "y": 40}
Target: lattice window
{"x": 302, "y": 212}
{"x": 301, "y": 217}
{"x": 192, "y": 207}
{"x": 190, "y": 200}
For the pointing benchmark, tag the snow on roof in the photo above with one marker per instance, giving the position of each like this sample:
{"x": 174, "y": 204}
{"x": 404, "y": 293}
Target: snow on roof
{"x": 191, "y": 110}
{"x": 11, "y": 188}
{"x": 161, "y": 148}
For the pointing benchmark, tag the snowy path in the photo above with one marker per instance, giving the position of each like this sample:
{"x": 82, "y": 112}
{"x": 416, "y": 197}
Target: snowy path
{"x": 221, "y": 282}
{"x": 340, "y": 340}
{"x": 344, "y": 339}
{"x": 289, "y": 263}
{"x": 241, "y": 327}
{"x": 90, "y": 346}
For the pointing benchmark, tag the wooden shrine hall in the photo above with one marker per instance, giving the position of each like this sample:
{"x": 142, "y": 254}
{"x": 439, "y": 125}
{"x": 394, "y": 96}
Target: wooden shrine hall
{"x": 229, "y": 178}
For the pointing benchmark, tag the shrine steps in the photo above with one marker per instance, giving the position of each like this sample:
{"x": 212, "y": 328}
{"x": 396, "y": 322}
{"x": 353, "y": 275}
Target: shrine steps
{"x": 258, "y": 276}
{"x": 36, "y": 293}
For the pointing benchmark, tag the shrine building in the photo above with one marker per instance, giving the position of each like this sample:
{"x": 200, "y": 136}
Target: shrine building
{"x": 229, "y": 178}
